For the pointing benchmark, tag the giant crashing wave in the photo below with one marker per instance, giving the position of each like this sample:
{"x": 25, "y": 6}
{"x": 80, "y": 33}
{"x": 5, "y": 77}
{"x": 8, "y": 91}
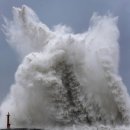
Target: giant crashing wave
{"x": 65, "y": 79}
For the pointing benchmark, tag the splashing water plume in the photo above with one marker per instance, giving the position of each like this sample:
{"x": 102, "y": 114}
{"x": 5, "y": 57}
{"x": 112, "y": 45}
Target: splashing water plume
{"x": 66, "y": 78}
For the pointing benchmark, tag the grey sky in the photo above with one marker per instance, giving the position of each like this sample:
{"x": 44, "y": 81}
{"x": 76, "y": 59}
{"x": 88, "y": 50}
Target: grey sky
{"x": 74, "y": 13}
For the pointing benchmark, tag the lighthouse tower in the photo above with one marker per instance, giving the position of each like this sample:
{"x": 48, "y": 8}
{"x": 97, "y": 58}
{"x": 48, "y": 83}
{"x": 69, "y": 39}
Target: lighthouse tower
{"x": 8, "y": 121}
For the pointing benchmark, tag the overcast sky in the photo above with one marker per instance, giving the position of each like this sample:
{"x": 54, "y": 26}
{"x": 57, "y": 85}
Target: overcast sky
{"x": 74, "y": 13}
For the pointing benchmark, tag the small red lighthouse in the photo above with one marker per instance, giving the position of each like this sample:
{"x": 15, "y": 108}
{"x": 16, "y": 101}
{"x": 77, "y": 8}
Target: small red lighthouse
{"x": 8, "y": 121}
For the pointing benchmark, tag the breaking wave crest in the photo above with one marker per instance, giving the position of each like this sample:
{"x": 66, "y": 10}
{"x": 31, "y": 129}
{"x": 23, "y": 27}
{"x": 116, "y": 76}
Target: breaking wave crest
{"x": 66, "y": 80}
